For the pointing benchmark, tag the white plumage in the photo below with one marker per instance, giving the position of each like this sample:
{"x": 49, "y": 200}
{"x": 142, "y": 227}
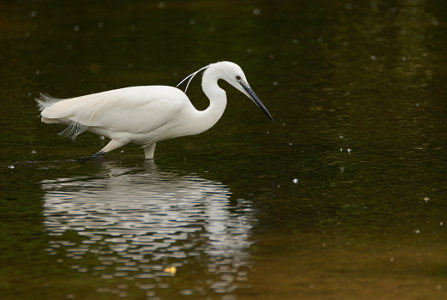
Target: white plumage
{"x": 145, "y": 115}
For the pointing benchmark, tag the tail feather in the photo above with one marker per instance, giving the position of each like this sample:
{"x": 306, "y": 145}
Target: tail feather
{"x": 73, "y": 128}
{"x": 45, "y": 101}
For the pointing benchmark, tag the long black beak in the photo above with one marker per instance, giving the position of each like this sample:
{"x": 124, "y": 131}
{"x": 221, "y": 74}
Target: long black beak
{"x": 255, "y": 99}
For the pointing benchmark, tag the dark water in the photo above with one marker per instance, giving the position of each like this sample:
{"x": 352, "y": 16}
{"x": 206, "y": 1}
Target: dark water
{"x": 344, "y": 196}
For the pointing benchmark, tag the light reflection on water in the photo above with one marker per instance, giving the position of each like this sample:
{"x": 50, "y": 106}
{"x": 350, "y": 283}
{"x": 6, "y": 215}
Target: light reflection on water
{"x": 139, "y": 223}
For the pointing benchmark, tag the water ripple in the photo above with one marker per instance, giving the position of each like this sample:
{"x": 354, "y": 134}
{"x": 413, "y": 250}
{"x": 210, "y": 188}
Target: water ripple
{"x": 138, "y": 222}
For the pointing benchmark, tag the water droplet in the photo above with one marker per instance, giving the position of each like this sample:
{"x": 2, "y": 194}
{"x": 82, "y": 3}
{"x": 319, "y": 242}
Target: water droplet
{"x": 426, "y": 199}
{"x": 417, "y": 231}
{"x": 295, "y": 180}
{"x": 11, "y": 167}
{"x": 341, "y": 137}
{"x": 256, "y": 11}
{"x": 37, "y": 72}
{"x": 441, "y": 223}
{"x": 349, "y": 150}
{"x": 33, "y": 152}
{"x": 275, "y": 83}
{"x": 373, "y": 57}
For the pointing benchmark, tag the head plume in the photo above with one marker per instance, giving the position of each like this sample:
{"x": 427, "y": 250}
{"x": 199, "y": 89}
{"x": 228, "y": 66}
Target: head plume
{"x": 191, "y": 76}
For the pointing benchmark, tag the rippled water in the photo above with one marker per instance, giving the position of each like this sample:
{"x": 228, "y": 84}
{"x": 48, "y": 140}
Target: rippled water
{"x": 342, "y": 197}
{"x": 146, "y": 224}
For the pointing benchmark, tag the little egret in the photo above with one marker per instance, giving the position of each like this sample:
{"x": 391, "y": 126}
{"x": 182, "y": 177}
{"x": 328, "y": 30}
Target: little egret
{"x": 145, "y": 115}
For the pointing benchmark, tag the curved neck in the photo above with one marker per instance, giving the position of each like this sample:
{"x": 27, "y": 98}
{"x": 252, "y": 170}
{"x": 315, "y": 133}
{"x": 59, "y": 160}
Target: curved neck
{"x": 217, "y": 97}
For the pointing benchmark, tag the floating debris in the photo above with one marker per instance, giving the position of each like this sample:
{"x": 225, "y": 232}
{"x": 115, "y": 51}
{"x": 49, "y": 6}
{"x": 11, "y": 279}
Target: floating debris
{"x": 349, "y": 150}
{"x": 171, "y": 270}
{"x": 295, "y": 180}
{"x": 11, "y": 167}
{"x": 417, "y": 231}
{"x": 426, "y": 199}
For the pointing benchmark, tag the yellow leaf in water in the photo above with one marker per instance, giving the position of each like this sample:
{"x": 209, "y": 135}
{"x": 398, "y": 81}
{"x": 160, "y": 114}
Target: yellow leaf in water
{"x": 170, "y": 270}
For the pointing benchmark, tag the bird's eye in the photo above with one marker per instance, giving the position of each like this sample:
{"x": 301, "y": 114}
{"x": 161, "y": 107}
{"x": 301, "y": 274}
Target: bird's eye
{"x": 238, "y": 77}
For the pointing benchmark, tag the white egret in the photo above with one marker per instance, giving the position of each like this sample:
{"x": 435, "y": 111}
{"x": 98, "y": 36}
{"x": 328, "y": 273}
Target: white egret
{"x": 145, "y": 115}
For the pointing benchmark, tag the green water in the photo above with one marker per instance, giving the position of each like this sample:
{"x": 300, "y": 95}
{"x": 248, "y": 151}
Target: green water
{"x": 342, "y": 197}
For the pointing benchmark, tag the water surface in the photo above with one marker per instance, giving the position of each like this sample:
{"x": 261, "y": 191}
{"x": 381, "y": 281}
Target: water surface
{"x": 342, "y": 197}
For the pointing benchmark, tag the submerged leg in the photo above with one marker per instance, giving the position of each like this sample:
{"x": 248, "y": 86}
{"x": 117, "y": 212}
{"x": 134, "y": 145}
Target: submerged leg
{"x": 112, "y": 145}
{"x": 149, "y": 151}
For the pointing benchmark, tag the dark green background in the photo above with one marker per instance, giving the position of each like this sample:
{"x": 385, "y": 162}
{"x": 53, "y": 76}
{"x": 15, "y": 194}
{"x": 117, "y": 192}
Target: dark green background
{"x": 369, "y": 76}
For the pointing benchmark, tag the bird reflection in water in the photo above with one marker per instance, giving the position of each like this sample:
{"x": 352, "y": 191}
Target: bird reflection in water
{"x": 139, "y": 223}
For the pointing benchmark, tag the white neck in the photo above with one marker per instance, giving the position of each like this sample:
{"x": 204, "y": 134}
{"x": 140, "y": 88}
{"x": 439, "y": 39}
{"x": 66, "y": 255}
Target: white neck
{"x": 217, "y": 97}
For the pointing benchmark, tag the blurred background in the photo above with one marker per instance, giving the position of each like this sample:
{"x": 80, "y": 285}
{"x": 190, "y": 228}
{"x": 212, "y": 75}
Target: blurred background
{"x": 343, "y": 196}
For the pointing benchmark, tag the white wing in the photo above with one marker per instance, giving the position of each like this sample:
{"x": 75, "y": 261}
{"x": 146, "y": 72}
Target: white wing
{"x": 134, "y": 109}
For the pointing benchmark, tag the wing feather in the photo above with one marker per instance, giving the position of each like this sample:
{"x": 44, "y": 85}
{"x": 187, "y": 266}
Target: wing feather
{"x": 133, "y": 110}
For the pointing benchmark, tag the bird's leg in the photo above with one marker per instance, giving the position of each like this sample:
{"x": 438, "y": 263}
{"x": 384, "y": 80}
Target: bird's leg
{"x": 98, "y": 154}
{"x": 149, "y": 151}
{"x": 112, "y": 145}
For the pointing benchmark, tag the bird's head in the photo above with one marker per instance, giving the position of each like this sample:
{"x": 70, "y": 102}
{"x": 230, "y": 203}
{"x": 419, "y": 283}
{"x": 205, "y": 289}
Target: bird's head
{"x": 233, "y": 74}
